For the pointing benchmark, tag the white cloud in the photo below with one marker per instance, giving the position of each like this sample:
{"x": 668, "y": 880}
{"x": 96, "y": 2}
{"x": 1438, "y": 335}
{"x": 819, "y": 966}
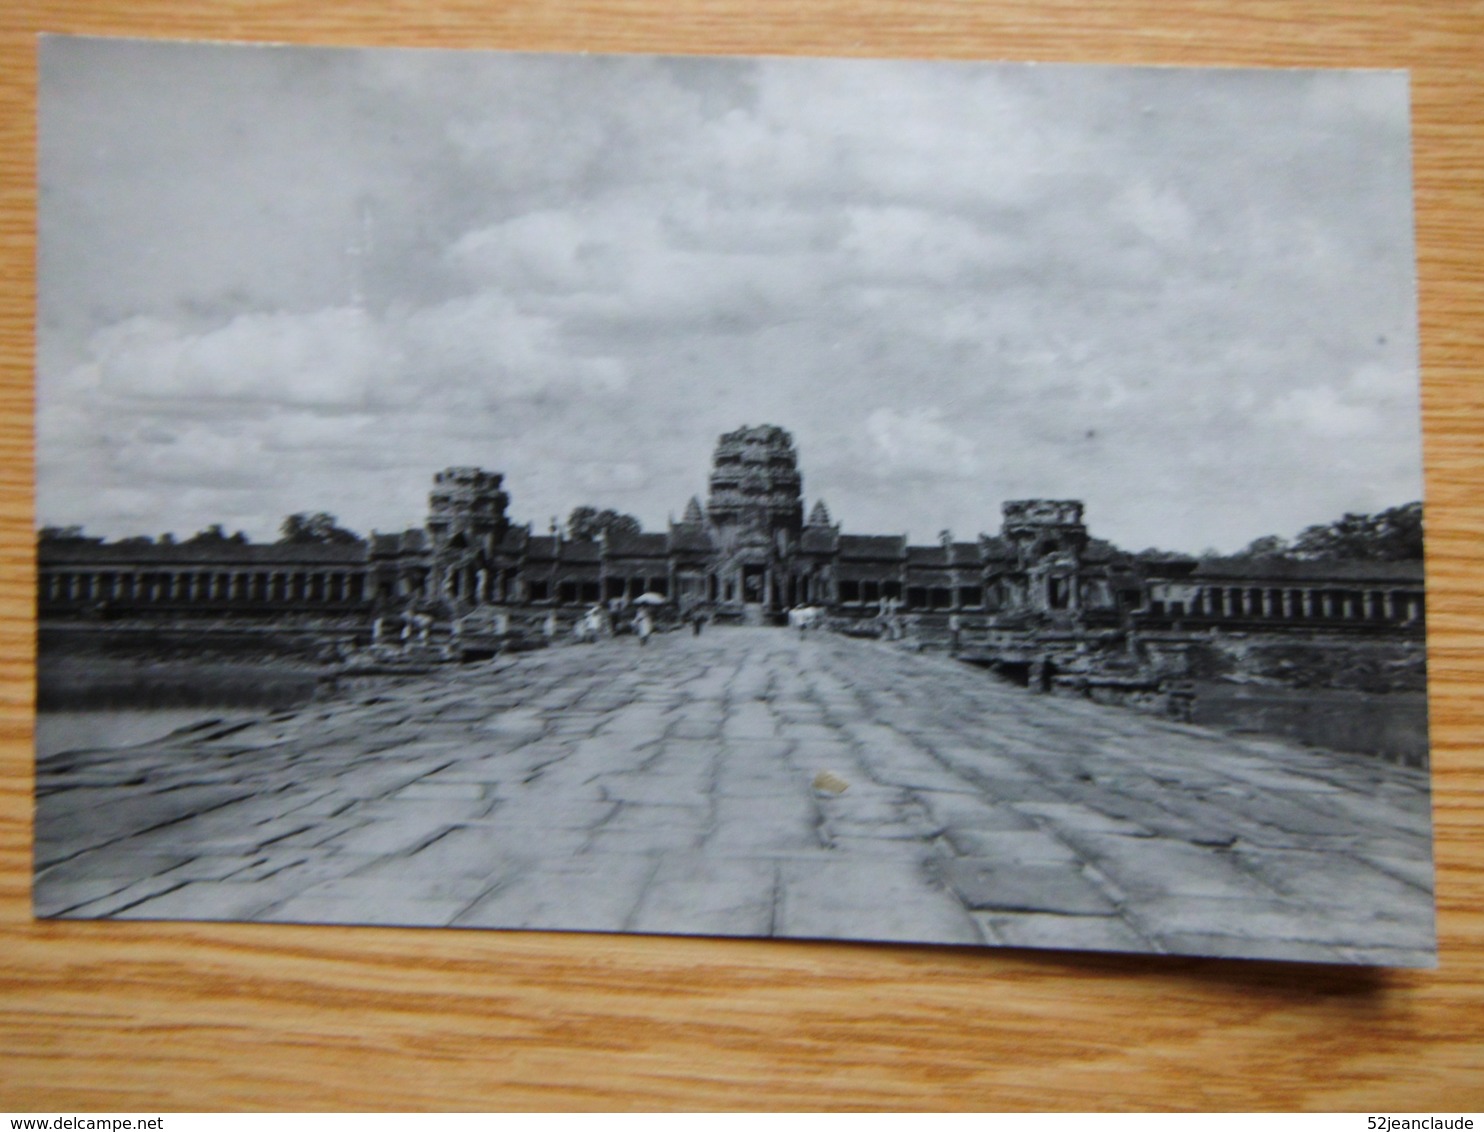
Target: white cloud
{"x": 1323, "y": 412}
{"x": 1160, "y": 214}
{"x": 917, "y": 441}
{"x": 897, "y": 244}
{"x": 316, "y": 275}
{"x": 327, "y": 357}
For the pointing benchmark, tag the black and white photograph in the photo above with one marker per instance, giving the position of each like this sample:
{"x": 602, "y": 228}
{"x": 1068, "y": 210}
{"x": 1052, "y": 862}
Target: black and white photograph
{"x": 955, "y": 503}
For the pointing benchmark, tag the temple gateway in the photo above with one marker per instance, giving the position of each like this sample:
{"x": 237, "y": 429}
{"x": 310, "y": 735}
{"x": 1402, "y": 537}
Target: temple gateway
{"x": 748, "y": 554}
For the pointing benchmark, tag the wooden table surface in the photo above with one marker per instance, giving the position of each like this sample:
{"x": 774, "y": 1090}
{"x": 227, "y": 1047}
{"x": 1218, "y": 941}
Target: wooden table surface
{"x": 134, "y": 1016}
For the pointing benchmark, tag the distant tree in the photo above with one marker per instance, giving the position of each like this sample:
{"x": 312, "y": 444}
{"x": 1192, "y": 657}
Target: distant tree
{"x": 317, "y": 527}
{"x": 166, "y": 539}
{"x": 1387, "y": 536}
{"x": 1269, "y": 546}
{"x": 585, "y": 523}
{"x": 214, "y": 535}
{"x": 135, "y": 540}
{"x": 61, "y": 534}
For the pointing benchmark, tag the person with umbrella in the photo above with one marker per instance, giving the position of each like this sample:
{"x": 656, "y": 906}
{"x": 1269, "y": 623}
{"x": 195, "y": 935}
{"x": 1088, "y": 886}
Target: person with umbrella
{"x": 644, "y": 620}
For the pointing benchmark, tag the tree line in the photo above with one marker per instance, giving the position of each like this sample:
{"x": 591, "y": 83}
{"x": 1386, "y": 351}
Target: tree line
{"x": 1392, "y": 535}
{"x": 296, "y": 530}
{"x": 322, "y": 528}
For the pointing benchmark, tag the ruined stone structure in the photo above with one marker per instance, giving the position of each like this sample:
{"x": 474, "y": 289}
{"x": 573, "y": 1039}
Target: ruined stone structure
{"x": 748, "y": 554}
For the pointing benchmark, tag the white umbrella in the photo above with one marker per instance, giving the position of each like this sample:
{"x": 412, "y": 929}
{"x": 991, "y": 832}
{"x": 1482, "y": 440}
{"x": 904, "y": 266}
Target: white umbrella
{"x": 651, "y": 598}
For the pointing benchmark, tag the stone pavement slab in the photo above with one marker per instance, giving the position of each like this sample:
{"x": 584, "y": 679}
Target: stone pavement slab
{"x": 672, "y": 788}
{"x": 988, "y": 884}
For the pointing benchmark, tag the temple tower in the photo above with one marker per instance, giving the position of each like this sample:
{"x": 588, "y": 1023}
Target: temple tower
{"x": 756, "y": 489}
{"x": 466, "y": 523}
{"x": 1048, "y": 536}
{"x": 755, "y": 512}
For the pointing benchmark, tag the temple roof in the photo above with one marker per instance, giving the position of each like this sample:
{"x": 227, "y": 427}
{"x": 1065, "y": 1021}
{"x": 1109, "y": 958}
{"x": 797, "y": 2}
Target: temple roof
{"x": 580, "y": 550}
{"x": 399, "y": 542}
{"x": 964, "y": 554}
{"x": 82, "y": 552}
{"x": 1408, "y": 571}
{"x": 873, "y": 546}
{"x": 646, "y": 544}
{"x": 542, "y": 546}
{"x": 687, "y": 536}
{"x": 818, "y": 540}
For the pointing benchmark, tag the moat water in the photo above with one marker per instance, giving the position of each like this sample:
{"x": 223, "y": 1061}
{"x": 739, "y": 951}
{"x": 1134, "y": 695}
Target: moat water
{"x": 111, "y": 704}
{"x": 82, "y": 729}
{"x": 1392, "y": 726}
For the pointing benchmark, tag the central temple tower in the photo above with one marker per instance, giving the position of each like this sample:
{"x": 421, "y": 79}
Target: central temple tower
{"x": 755, "y": 512}
{"x": 756, "y": 489}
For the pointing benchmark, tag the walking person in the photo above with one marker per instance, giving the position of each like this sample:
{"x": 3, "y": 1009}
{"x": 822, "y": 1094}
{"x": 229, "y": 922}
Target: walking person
{"x": 643, "y": 626}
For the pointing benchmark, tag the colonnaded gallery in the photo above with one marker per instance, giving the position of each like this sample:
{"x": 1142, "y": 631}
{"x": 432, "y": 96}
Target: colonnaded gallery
{"x": 750, "y": 553}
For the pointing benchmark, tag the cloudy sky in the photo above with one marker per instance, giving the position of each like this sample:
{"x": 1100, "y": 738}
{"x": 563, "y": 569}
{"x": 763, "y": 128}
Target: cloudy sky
{"x": 285, "y": 279}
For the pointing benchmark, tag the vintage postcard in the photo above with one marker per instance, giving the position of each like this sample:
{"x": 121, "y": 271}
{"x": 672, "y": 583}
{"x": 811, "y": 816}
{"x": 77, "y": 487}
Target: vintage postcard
{"x": 928, "y": 502}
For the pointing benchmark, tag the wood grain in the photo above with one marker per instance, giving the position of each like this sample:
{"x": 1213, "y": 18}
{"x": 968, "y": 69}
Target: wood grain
{"x": 151, "y": 1017}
